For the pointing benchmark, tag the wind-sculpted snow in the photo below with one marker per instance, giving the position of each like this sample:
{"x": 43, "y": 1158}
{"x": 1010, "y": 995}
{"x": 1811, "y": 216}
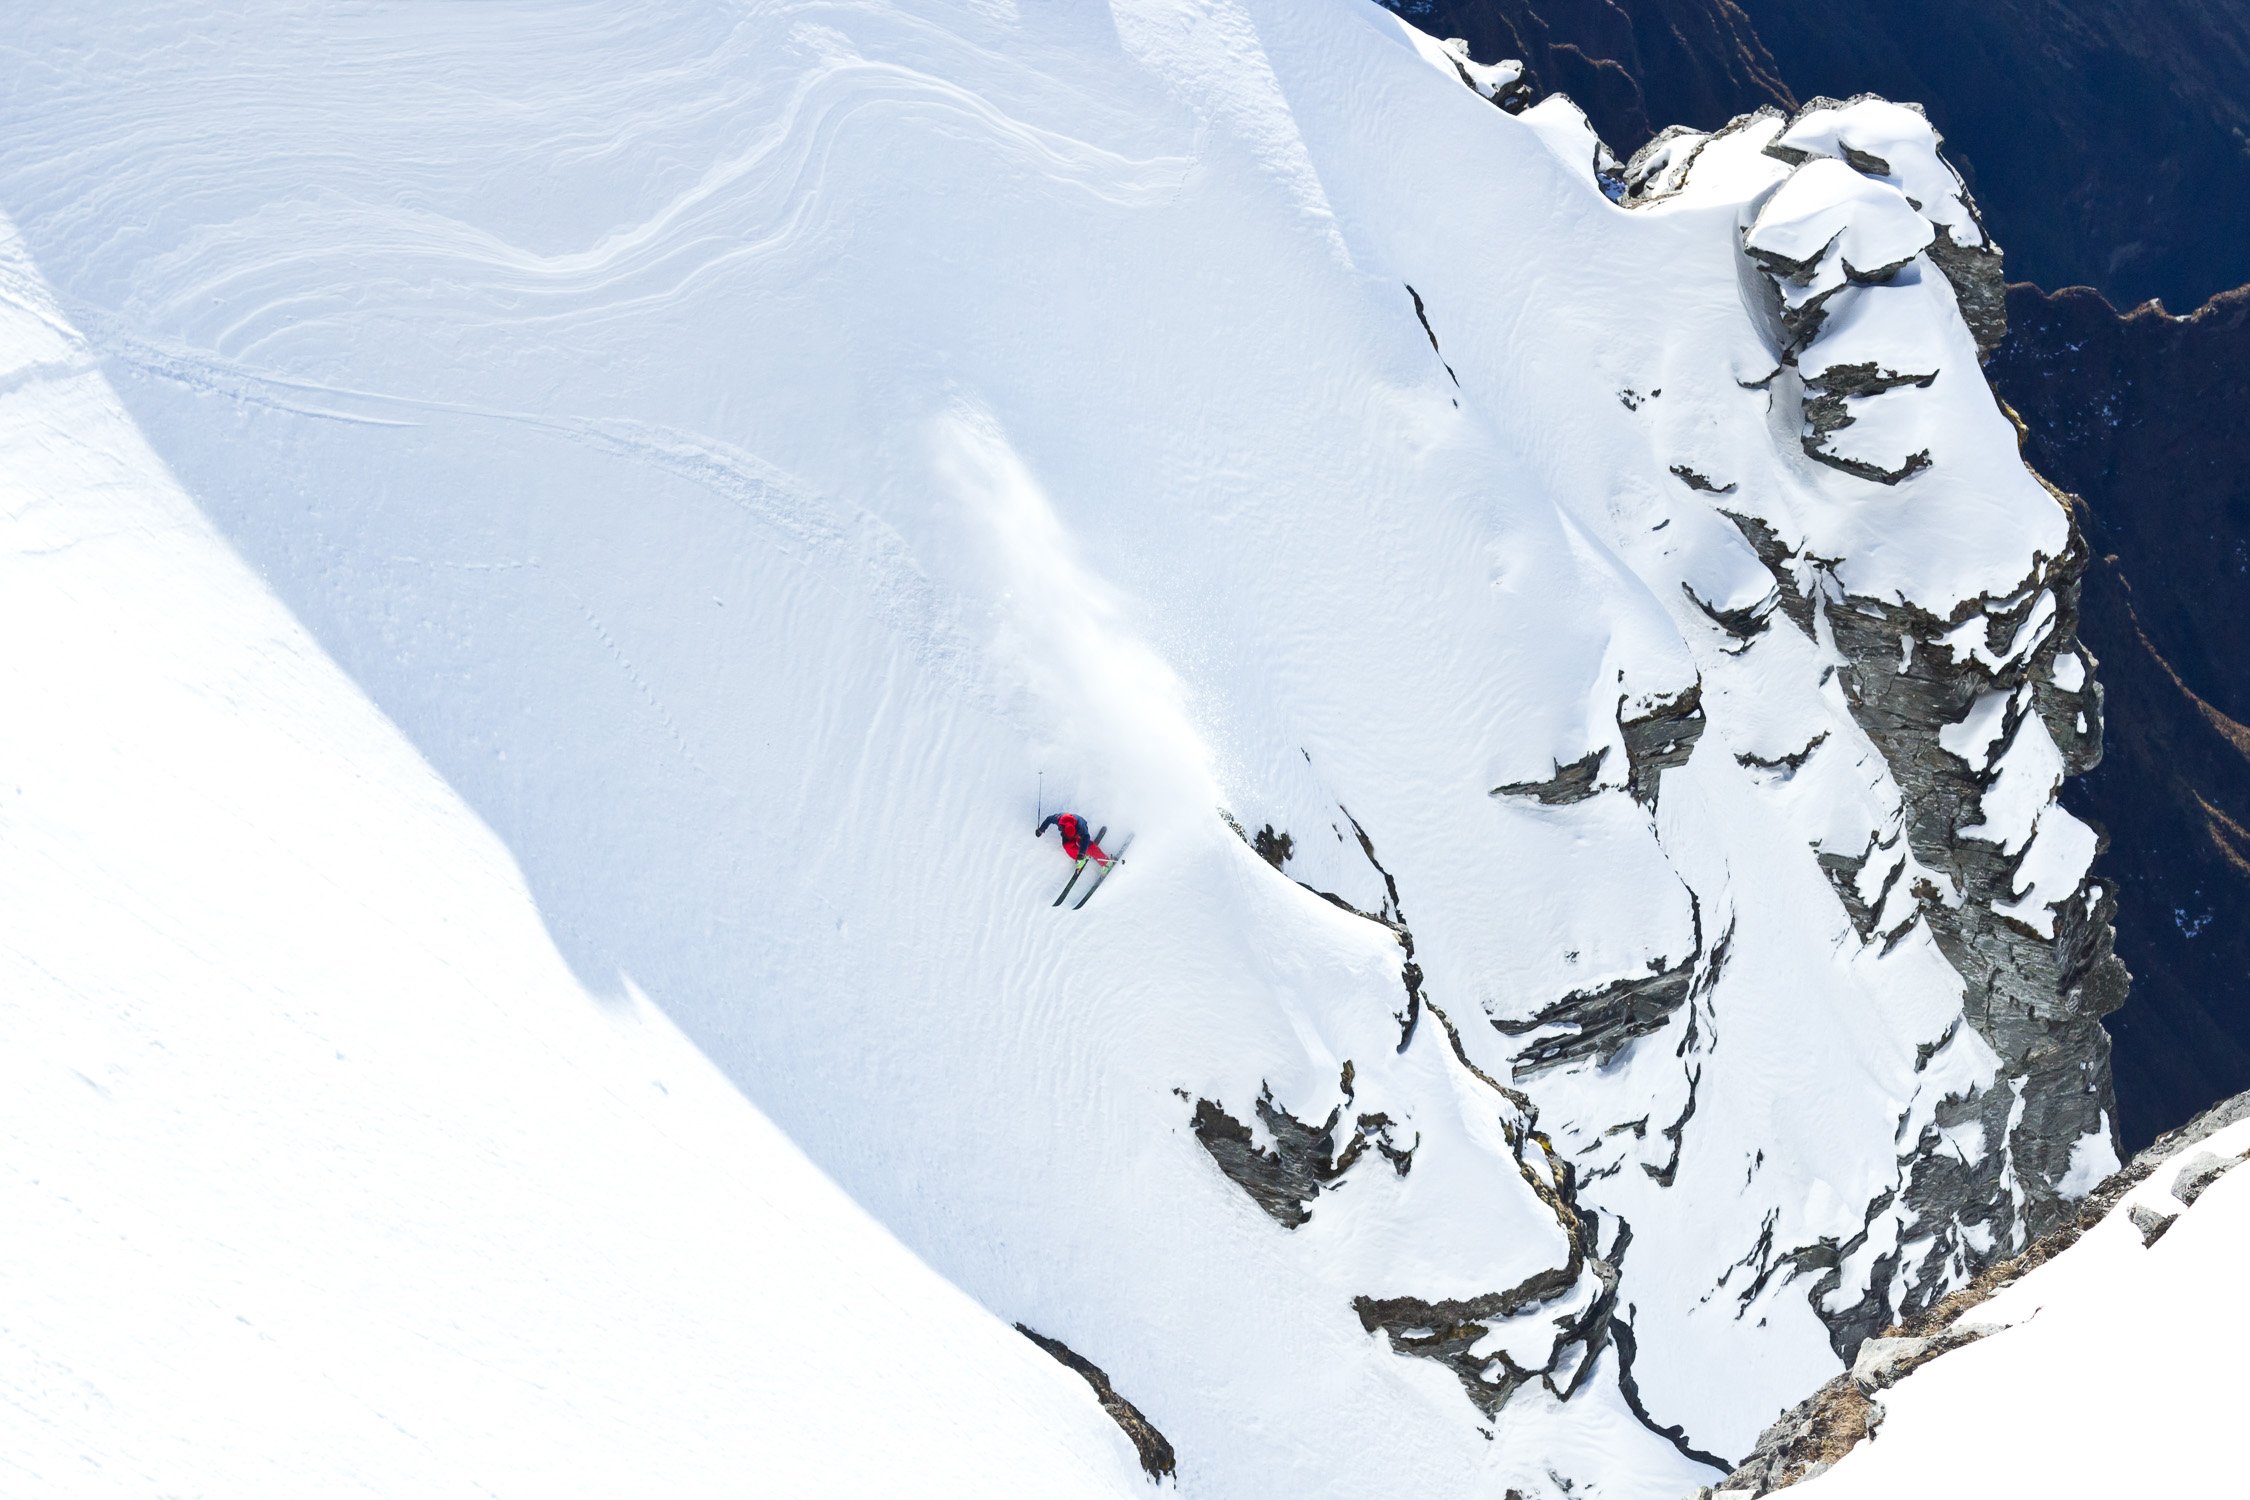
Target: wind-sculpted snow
{"x": 743, "y": 452}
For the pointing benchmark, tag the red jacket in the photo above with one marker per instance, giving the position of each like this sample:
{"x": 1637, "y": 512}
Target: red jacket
{"x": 1077, "y": 837}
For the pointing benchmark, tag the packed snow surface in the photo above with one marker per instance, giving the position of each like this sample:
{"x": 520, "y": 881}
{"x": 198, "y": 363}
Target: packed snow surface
{"x": 721, "y": 466}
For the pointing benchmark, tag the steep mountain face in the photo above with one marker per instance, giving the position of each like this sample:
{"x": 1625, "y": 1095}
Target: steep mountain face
{"x": 2149, "y": 101}
{"x": 1861, "y": 254}
{"x": 1585, "y": 668}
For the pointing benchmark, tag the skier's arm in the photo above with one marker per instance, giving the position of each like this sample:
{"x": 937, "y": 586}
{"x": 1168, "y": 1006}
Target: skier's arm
{"x": 1042, "y": 832}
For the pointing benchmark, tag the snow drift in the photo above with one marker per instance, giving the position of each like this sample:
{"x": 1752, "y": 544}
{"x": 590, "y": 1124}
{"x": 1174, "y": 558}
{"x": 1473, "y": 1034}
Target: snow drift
{"x": 1585, "y": 667}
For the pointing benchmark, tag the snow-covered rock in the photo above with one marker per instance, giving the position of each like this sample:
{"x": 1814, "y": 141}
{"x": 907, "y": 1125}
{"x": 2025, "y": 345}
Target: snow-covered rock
{"x": 2108, "y": 1325}
{"x": 1587, "y": 923}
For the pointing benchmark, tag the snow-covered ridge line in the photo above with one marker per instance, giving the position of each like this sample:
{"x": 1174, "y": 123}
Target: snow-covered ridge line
{"x": 1840, "y": 248}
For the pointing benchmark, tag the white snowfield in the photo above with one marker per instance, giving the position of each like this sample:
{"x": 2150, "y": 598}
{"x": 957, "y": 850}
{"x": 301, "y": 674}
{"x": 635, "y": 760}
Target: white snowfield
{"x": 2110, "y": 1370}
{"x": 323, "y": 1174}
{"x": 547, "y": 550}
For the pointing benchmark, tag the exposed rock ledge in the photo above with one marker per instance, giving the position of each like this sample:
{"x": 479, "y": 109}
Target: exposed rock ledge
{"x": 1157, "y": 1459}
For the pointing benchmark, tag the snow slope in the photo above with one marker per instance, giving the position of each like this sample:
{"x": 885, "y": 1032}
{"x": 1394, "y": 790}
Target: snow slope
{"x": 323, "y": 1174}
{"x": 742, "y": 451}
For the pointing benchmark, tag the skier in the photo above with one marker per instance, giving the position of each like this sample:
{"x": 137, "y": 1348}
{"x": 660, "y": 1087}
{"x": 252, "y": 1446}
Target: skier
{"x": 1077, "y": 836}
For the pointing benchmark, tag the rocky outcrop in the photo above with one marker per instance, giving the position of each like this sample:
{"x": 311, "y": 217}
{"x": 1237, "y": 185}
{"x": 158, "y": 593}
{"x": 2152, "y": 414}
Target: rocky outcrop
{"x": 1157, "y": 1458}
{"x": 1980, "y": 286}
{"x": 1657, "y": 735}
{"x": 2107, "y": 136}
{"x": 1304, "y": 1159}
{"x": 2138, "y": 413}
{"x": 1960, "y": 730}
{"x": 2198, "y": 1172}
{"x": 1828, "y": 411}
{"x": 1811, "y": 1436}
{"x": 1550, "y": 1327}
{"x": 1502, "y": 82}
{"x": 1468, "y": 1335}
{"x": 1492, "y": 1343}
{"x": 1600, "y": 1022}
{"x": 1572, "y": 783}
{"x": 2110, "y": 148}
{"x": 1959, "y": 245}
{"x": 1660, "y": 736}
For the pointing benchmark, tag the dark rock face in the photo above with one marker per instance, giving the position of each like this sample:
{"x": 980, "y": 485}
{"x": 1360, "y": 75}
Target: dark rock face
{"x": 1657, "y": 736}
{"x": 1449, "y": 1331}
{"x": 1578, "y": 1299}
{"x": 1303, "y": 1160}
{"x": 1157, "y": 1459}
{"x": 1828, "y": 412}
{"x": 1600, "y": 1022}
{"x": 2001, "y": 687}
{"x": 1571, "y": 783}
{"x": 1661, "y": 736}
{"x": 1979, "y": 287}
{"x": 2036, "y": 997}
{"x": 2144, "y": 416}
{"x": 1561, "y": 1318}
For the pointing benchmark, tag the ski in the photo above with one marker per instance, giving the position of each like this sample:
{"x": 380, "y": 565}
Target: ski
{"x": 1114, "y": 861}
{"x": 1080, "y": 869}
